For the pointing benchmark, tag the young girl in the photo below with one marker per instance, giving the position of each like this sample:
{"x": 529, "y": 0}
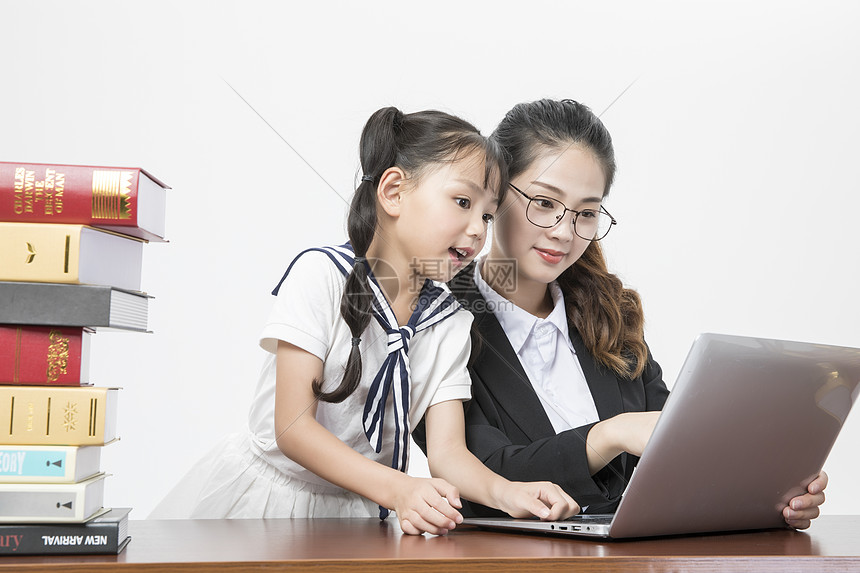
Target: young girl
{"x": 363, "y": 341}
{"x": 564, "y": 386}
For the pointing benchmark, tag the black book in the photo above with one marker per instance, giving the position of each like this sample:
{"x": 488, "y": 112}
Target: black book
{"x": 55, "y": 304}
{"x": 105, "y": 534}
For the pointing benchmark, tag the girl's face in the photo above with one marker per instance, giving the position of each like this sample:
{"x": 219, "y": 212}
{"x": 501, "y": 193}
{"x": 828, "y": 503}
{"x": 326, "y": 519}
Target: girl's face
{"x": 444, "y": 218}
{"x": 574, "y": 177}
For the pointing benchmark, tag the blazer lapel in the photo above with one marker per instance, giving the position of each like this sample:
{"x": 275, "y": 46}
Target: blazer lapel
{"x": 498, "y": 366}
{"x": 602, "y": 383}
{"x": 605, "y": 389}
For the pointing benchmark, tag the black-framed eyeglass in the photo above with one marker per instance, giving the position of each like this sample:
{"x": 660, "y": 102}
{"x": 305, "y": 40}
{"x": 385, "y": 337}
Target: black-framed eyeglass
{"x": 546, "y": 212}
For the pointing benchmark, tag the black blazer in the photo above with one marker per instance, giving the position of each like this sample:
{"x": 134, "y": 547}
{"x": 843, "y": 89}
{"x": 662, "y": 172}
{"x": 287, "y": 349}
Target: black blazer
{"x": 508, "y": 429}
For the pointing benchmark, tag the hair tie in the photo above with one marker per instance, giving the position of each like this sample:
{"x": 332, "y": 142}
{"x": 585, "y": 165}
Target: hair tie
{"x": 355, "y": 341}
{"x": 367, "y": 178}
{"x": 359, "y": 260}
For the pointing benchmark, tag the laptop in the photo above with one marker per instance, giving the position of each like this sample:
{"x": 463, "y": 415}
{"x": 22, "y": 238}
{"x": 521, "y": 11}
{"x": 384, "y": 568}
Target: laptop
{"x": 747, "y": 426}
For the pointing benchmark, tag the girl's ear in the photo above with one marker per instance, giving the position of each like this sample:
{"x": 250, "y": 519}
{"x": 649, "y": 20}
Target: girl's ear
{"x": 390, "y": 190}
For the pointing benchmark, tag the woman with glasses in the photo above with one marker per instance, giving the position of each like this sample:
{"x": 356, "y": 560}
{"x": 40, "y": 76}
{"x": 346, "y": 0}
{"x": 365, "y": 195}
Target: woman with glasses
{"x": 564, "y": 387}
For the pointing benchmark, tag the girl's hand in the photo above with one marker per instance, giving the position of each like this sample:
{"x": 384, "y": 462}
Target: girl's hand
{"x": 802, "y": 509}
{"x": 426, "y": 505}
{"x": 539, "y": 498}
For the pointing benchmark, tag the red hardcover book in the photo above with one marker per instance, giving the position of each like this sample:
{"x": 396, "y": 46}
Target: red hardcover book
{"x": 123, "y": 200}
{"x": 44, "y": 355}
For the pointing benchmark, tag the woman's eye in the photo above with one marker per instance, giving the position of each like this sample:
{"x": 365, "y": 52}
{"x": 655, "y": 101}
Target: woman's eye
{"x": 588, "y": 213}
{"x": 489, "y": 217}
{"x": 543, "y": 203}
{"x": 463, "y": 203}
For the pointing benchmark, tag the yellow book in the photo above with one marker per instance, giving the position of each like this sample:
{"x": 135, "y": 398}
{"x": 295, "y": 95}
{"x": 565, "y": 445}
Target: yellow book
{"x": 74, "y": 254}
{"x": 52, "y": 415}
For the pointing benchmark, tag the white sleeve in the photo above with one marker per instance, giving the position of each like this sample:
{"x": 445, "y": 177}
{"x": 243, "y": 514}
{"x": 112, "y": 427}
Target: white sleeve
{"x": 306, "y": 307}
{"x": 452, "y": 359}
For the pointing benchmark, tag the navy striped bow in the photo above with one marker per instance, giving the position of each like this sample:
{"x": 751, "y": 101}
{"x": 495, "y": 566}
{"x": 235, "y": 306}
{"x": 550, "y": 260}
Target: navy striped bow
{"x": 434, "y": 305}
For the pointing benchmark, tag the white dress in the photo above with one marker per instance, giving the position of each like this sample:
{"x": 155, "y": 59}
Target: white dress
{"x": 247, "y": 476}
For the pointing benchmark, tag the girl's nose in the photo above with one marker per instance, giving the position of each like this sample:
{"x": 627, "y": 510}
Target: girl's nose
{"x": 477, "y": 227}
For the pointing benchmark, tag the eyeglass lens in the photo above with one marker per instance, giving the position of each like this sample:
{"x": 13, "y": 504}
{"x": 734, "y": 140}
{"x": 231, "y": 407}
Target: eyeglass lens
{"x": 589, "y": 224}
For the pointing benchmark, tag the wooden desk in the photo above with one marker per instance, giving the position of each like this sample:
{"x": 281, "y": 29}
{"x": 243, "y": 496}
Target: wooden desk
{"x": 832, "y": 544}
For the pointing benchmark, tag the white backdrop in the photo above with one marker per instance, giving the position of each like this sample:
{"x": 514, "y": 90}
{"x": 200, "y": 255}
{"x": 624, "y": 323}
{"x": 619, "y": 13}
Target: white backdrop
{"x": 736, "y": 193}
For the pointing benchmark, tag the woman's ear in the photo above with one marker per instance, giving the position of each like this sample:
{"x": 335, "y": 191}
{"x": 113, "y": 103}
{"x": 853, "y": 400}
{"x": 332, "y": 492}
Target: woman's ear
{"x": 390, "y": 190}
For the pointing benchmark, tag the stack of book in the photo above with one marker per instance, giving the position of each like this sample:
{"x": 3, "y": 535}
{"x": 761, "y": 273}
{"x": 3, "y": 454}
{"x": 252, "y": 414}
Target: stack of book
{"x": 71, "y": 248}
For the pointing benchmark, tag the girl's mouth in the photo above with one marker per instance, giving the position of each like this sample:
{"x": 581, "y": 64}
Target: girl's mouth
{"x": 459, "y": 254}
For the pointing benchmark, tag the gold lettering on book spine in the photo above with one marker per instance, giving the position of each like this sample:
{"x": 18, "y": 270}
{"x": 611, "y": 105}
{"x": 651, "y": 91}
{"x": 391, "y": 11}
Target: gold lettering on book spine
{"x": 112, "y": 194}
{"x": 29, "y": 187}
{"x": 94, "y": 410}
{"x": 58, "y": 355}
{"x": 18, "y": 190}
{"x": 59, "y": 188}
{"x": 70, "y": 416}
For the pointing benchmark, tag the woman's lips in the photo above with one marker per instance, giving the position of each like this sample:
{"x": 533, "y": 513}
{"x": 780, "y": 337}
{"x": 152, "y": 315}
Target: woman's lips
{"x": 550, "y": 256}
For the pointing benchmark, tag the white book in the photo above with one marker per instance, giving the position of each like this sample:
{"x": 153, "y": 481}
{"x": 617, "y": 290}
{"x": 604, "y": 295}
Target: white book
{"x": 48, "y": 464}
{"x": 51, "y": 502}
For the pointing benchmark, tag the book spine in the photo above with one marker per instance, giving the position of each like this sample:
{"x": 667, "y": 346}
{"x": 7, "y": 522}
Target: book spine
{"x": 38, "y": 464}
{"x": 43, "y": 355}
{"x": 41, "y": 253}
{"x": 44, "y": 539}
{"x": 50, "y": 304}
{"x": 69, "y": 254}
{"x": 44, "y": 415}
{"x": 19, "y": 503}
{"x": 38, "y": 193}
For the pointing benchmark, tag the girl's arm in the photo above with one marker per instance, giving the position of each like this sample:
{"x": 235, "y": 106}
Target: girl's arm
{"x": 422, "y": 505}
{"x": 449, "y": 458}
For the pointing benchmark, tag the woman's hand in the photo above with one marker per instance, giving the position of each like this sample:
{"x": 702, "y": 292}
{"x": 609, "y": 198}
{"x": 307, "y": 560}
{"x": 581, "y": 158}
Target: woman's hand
{"x": 628, "y": 432}
{"x": 426, "y": 505}
{"x": 802, "y": 509}
{"x": 538, "y": 498}
{"x": 636, "y": 430}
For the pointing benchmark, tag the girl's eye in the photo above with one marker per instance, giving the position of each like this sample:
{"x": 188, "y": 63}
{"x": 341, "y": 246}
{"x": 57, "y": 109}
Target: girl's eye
{"x": 589, "y": 213}
{"x": 489, "y": 217}
{"x": 463, "y": 202}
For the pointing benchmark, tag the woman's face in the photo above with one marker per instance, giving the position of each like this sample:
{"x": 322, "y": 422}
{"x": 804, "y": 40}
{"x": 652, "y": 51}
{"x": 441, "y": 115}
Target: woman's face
{"x": 574, "y": 177}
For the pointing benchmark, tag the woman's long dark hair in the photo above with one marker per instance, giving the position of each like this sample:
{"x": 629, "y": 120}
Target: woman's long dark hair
{"x": 412, "y": 142}
{"x": 608, "y": 317}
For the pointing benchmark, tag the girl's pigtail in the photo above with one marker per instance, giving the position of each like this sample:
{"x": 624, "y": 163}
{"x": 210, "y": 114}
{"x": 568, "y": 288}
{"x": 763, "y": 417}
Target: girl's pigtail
{"x": 378, "y": 149}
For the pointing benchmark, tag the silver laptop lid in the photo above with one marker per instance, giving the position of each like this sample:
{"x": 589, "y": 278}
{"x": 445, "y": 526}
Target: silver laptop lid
{"x": 748, "y": 424}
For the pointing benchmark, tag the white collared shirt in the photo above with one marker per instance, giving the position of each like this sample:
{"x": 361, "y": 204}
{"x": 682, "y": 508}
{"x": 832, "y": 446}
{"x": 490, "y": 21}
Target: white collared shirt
{"x": 547, "y": 355}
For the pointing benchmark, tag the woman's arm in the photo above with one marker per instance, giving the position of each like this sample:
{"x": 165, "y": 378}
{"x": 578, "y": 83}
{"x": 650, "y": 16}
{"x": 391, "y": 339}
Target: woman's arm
{"x": 628, "y": 432}
{"x": 495, "y": 434}
{"x": 422, "y": 505}
{"x": 449, "y": 458}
